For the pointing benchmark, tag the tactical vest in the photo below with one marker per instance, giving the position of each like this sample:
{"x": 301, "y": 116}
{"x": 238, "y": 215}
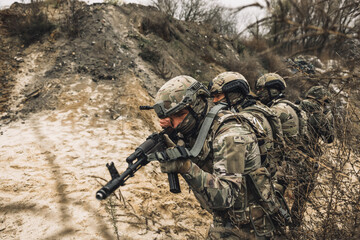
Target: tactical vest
{"x": 267, "y": 117}
{"x": 262, "y": 121}
{"x": 268, "y": 130}
{"x": 320, "y": 126}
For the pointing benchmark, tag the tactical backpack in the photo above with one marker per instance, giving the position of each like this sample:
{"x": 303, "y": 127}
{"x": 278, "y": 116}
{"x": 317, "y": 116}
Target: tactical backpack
{"x": 302, "y": 117}
{"x": 269, "y": 145}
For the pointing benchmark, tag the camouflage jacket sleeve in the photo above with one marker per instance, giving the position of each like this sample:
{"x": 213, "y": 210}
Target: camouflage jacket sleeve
{"x": 235, "y": 151}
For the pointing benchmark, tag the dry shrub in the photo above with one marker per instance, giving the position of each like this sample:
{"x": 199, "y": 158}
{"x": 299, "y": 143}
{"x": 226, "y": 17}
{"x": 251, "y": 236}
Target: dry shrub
{"x": 332, "y": 211}
{"x": 27, "y": 21}
{"x": 297, "y": 85}
{"x": 248, "y": 65}
{"x": 73, "y": 12}
{"x": 159, "y": 24}
{"x": 255, "y": 44}
{"x": 274, "y": 63}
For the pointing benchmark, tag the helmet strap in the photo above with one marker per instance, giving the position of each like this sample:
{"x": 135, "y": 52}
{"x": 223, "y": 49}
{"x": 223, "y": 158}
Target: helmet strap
{"x": 281, "y": 95}
{"x": 228, "y": 100}
{"x": 269, "y": 93}
{"x": 273, "y": 97}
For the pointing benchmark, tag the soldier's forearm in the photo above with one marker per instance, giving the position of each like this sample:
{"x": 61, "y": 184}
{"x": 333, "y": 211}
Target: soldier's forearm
{"x": 218, "y": 193}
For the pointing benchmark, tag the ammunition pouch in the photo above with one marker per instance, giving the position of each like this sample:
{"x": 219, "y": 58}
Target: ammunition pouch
{"x": 282, "y": 217}
{"x": 261, "y": 221}
{"x": 265, "y": 204}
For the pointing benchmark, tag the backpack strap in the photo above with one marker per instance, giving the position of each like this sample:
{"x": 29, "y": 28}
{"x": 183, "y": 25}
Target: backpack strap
{"x": 272, "y": 119}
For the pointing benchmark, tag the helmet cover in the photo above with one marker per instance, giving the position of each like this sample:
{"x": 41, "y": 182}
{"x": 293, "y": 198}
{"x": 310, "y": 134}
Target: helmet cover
{"x": 227, "y": 82}
{"x": 178, "y": 93}
{"x": 319, "y": 93}
{"x": 270, "y": 80}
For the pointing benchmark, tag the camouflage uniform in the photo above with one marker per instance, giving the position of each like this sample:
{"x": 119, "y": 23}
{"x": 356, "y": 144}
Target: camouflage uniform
{"x": 233, "y": 151}
{"x": 296, "y": 168}
{"x": 262, "y": 119}
{"x": 320, "y": 126}
{"x": 217, "y": 174}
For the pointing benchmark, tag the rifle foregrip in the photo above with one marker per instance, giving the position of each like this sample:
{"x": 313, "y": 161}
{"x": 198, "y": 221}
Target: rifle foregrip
{"x": 174, "y": 182}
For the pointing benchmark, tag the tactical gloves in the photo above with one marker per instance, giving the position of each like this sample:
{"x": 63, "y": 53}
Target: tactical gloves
{"x": 178, "y": 166}
{"x": 174, "y": 159}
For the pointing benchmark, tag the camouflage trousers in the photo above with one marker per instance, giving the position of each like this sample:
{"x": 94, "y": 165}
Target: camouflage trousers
{"x": 227, "y": 226}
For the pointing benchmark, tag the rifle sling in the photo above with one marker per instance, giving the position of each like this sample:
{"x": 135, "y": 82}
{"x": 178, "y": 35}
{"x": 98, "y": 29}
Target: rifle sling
{"x": 205, "y": 127}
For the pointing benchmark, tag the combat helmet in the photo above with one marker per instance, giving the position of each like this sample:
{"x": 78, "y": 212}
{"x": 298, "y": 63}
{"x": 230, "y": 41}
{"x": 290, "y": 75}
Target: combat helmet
{"x": 227, "y": 82}
{"x": 269, "y": 87}
{"x": 319, "y": 93}
{"x": 234, "y": 86}
{"x": 179, "y": 93}
{"x": 270, "y": 80}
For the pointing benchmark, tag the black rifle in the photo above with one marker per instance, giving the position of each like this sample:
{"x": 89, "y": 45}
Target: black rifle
{"x": 154, "y": 143}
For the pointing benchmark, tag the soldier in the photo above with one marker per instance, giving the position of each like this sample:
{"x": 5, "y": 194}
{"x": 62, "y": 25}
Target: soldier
{"x": 321, "y": 119}
{"x": 233, "y": 89}
{"x": 302, "y": 142}
{"x": 223, "y": 151}
{"x": 270, "y": 90}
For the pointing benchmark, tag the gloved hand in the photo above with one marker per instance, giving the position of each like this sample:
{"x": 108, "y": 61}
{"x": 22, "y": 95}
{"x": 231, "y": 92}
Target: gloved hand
{"x": 175, "y": 166}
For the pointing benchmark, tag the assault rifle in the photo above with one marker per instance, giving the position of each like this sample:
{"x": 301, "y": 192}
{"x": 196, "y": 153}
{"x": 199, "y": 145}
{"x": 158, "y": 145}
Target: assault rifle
{"x": 154, "y": 143}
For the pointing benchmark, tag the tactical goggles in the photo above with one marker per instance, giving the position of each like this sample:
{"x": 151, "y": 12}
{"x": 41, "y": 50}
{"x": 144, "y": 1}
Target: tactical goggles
{"x": 189, "y": 97}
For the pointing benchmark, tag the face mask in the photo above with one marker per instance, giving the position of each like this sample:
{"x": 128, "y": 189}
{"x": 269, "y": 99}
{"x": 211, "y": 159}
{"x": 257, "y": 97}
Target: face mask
{"x": 186, "y": 125}
{"x": 263, "y": 96}
{"x": 235, "y": 98}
